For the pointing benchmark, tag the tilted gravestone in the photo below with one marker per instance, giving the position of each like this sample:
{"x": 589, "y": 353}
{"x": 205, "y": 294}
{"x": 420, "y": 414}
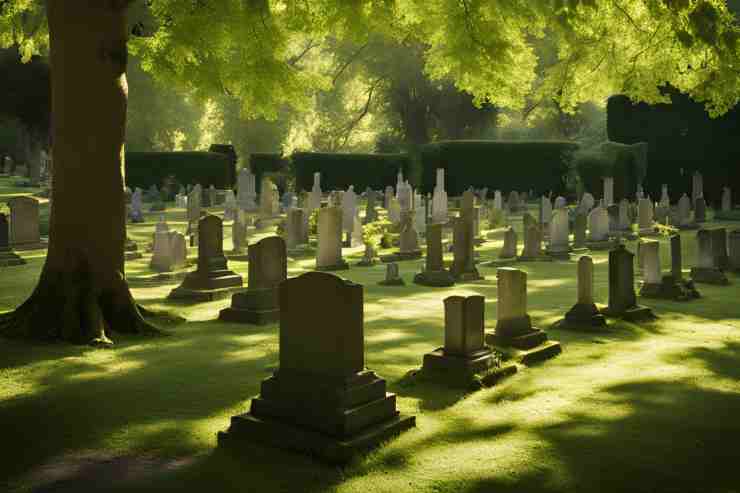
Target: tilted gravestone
{"x": 514, "y": 330}
{"x": 622, "y": 298}
{"x": 259, "y": 304}
{"x": 706, "y": 271}
{"x": 212, "y": 279}
{"x": 7, "y": 256}
{"x": 321, "y": 400}
{"x": 584, "y": 314}
{"x": 434, "y": 273}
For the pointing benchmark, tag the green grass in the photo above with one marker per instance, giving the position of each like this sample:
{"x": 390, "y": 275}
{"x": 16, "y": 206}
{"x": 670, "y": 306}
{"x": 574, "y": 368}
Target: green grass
{"x": 651, "y": 408}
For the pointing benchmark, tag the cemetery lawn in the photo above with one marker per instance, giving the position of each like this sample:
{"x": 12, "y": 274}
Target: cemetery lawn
{"x": 653, "y": 408}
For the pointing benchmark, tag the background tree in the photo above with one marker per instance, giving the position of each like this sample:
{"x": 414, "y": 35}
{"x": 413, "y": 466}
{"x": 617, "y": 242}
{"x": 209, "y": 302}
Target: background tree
{"x": 244, "y": 48}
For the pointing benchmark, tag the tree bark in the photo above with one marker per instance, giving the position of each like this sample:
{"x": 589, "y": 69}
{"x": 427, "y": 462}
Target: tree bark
{"x": 82, "y": 293}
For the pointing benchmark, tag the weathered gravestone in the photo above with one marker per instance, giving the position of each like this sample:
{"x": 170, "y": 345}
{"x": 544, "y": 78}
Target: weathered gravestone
{"x": 514, "y": 333}
{"x": 434, "y": 273}
{"x": 369, "y": 256}
{"x": 598, "y": 229}
{"x": 579, "y": 232}
{"x": 7, "y": 256}
{"x": 169, "y": 251}
{"x": 295, "y": 229}
{"x": 608, "y": 196}
{"x": 533, "y": 245}
{"x": 651, "y": 277}
{"x": 259, "y": 304}
{"x": 684, "y": 214}
{"x": 463, "y": 250}
{"x": 700, "y": 210}
{"x": 465, "y": 359}
{"x": 719, "y": 248}
{"x": 329, "y": 253}
{"x": 559, "y": 246}
{"x": 392, "y": 278}
{"x": 510, "y": 247}
{"x": 408, "y": 241}
{"x": 24, "y": 223}
{"x": 212, "y": 279}
{"x": 321, "y": 400}
{"x": 672, "y": 286}
{"x": 706, "y": 271}
{"x": 584, "y": 314}
{"x": 622, "y": 298}
{"x": 239, "y": 239}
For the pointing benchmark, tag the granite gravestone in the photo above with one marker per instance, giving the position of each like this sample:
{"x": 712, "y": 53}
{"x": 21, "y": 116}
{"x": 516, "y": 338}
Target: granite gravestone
{"x": 622, "y": 298}
{"x": 321, "y": 400}
{"x": 259, "y": 304}
{"x": 24, "y": 223}
{"x": 434, "y": 273}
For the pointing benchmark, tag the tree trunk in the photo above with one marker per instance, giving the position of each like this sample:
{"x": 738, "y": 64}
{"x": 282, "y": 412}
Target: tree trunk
{"x": 82, "y": 293}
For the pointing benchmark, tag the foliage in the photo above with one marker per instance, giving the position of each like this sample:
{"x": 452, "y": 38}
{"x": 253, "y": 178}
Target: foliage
{"x": 339, "y": 171}
{"x": 144, "y": 169}
{"x": 374, "y": 231}
{"x": 500, "y": 165}
{"x": 25, "y": 89}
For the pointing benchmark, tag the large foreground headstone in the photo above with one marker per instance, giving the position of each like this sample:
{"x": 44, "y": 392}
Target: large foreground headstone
{"x": 622, "y": 297}
{"x": 465, "y": 358}
{"x": 212, "y": 279}
{"x": 259, "y": 304}
{"x": 322, "y": 400}
{"x": 514, "y": 331}
{"x": 584, "y": 314}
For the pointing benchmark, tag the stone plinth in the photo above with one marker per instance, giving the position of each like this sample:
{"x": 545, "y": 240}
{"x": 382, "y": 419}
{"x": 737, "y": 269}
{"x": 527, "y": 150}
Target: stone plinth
{"x": 322, "y": 400}
{"x": 514, "y": 330}
{"x": 434, "y": 273}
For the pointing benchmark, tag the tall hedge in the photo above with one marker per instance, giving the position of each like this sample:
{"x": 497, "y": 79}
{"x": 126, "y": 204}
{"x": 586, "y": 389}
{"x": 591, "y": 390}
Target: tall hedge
{"x": 498, "y": 165}
{"x": 339, "y": 171}
{"x": 144, "y": 169}
{"x": 267, "y": 162}
{"x": 681, "y": 138}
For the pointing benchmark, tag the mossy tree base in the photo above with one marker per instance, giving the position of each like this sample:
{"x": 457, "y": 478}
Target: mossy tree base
{"x": 69, "y": 306}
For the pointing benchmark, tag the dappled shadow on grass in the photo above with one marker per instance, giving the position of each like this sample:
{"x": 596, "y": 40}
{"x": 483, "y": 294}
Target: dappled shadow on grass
{"x": 723, "y": 362}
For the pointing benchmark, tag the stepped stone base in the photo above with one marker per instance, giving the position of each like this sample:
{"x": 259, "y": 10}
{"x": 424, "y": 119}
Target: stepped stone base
{"x": 636, "y": 313}
{"x": 534, "y": 258}
{"x": 438, "y": 279}
{"x": 253, "y": 306}
{"x": 558, "y": 254}
{"x": 472, "y": 275}
{"x": 582, "y": 316}
{"x": 518, "y": 340}
{"x": 208, "y": 286}
{"x": 332, "y": 419}
{"x": 400, "y": 256}
{"x": 392, "y": 282}
{"x": 709, "y": 276}
{"x": 473, "y": 371}
{"x": 670, "y": 289}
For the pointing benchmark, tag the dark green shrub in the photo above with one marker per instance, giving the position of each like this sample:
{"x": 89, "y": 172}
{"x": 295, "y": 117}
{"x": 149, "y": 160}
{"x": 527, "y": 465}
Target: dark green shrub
{"x": 144, "y": 169}
{"x": 498, "y": 165}
{"x": 273, "y": 165}
{"x": 339, "y": 171}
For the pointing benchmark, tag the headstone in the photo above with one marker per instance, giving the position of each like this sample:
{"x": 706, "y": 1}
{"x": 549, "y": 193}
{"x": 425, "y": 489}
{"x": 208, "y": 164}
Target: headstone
{"x": 584, "y": 314}
{"x": 665, "y": 199}
{"x": 7, "y": 256}
{"x": 169, "y": 251}
{"x": 579, "y": 231}
{"x": 295, "y": 233}
{"x": 613, "y": 212}
{"x": 349, "y": 206}
{"x": 697, "y": 186}
{"x": 498, "y": 200}
{"x": 434, "y": 273}
{"x": 259, "y": 304}
{"x": 625, "y": 222}
{"x": 314, "y": 199}
{"x": 650, "y": 251}
{"x": 509, "y": 250}
{"x": 24, "y": 223}
{"x": 587, "y": 203}
{"x": 420, "y": 220}
{"x": 608, "y": 190}
{"x": 394, "y": 211}
{"x": 465, "y": 353}
{"x": 719, "y": 248}
{"x": 622, "y": 298}
{"x": 391, "y": 276}
{"x": 545, "y": 210}
{"x": 559, "y": 246}
{"x": 700, "y": 210}
{"x": 514, "y": 327}
{"x": 321, "y": 400}
{"x": 532, "y": 245}
{"x": 137, "y": 210}
{"x": 560, "y": 202}
{"x": 706, "y": 271}
{"x": 194, "y": 208}
{"x": 329, "y": 254}
{"x": 684, "y": 213}
{"x": 463, "y": 264}
{"x": 371, "y": 214}
{"x": 230, "y": 206}
{"x": 645, "y": 217}
{"x": 734, "y": 248}
{"x": 598, "y": 227}
{"x": 239, "y": 233}
{"x": 356, "y": 234}
{"x": 408, "y": 240}
{"x": 212, "y": 279}
{"x": 388, "y": 194}
{"x": 726, "y": 199}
